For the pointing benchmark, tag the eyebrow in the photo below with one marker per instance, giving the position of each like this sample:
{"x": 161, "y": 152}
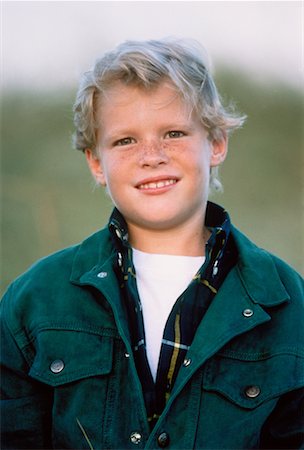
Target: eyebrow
{"x": 117, "y": 133}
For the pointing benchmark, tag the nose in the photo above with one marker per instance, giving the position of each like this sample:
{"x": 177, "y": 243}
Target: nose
{"x": 153, "y": 154}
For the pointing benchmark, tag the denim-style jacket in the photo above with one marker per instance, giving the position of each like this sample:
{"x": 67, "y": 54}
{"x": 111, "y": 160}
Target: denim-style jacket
{"x": 69, "y": 378}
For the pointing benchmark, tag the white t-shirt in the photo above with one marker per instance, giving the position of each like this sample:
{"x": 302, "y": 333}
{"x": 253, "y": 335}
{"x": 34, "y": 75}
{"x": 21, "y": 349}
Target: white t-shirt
{"x": 161, "y": 279}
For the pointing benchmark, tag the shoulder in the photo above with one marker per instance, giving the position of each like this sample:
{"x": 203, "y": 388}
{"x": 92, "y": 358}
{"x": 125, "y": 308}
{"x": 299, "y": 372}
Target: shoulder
{"x": 288, "y": 275}
{"x": 46, "y": 287}
{"x": 60, "y": 263}
{"x": 56, "y": 266}
{"x": 248, "y": 249}
{"x": 259, "y": 266}
{"x": 42, "y": 273}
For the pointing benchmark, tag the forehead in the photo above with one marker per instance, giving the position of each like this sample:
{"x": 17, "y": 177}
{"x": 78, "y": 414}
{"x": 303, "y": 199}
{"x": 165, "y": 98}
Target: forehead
{"x": 120, "y": 96}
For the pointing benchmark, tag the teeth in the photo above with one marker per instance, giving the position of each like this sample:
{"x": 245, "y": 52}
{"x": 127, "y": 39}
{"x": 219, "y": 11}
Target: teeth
{"x": 157, "y": 184}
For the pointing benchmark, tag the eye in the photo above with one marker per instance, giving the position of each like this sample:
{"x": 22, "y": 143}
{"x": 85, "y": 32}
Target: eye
{"x": 124, "y": 141}
{"x": 175, "y": 134}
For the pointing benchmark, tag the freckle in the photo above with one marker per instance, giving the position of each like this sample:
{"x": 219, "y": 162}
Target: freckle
{"x": 169, "y": 146}
{"x": 126, "y": 154}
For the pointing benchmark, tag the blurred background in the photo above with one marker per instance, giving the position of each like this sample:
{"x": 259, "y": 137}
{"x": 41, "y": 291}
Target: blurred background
{"x": 256, "y": 50}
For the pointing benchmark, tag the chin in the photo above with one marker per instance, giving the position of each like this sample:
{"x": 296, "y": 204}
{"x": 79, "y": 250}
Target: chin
{"x": 158, "y": 222}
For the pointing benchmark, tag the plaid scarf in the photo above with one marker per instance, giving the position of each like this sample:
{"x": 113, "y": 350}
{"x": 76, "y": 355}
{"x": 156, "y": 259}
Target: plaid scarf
{"x": 187, "y": 312}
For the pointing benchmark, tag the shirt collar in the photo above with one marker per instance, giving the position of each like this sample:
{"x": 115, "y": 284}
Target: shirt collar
{"x": 118, "y": 229}
{"x": 217, "y": 220}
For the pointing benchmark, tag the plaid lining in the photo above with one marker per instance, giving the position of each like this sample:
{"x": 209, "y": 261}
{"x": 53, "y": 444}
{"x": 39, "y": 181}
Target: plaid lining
{"x": 187, "y": 312}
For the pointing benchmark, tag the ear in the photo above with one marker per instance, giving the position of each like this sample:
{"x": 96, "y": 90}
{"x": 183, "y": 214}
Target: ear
{"x": 219, "y": 150}
{"x": 95, "y": 166}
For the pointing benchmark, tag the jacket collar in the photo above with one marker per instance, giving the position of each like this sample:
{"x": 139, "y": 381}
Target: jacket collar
{"x": 92, "y": 254}
{"x": 256, "y": 268}
{"x": 95, "y": 264}
{"x": 258, "y": 273}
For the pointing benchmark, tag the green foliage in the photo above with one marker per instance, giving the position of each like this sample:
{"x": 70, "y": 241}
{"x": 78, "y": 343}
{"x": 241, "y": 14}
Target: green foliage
{"x": 49, "y": 200}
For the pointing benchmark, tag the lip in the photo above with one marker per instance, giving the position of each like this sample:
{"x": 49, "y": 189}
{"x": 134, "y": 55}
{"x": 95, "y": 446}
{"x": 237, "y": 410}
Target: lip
{"x": 154, "y": 180}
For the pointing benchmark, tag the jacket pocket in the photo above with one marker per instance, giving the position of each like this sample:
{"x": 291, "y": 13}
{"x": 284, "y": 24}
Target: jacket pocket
{"x": 64, "y": 356}
{"x": 253, "y": 380}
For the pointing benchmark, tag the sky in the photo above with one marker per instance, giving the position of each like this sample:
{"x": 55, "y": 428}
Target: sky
{"x": 47, "y": 45}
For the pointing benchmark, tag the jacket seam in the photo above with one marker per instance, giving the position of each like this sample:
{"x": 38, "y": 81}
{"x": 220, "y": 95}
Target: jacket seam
{"x": 67, "y": 379}
{"x": 245, "y": 403}
{"x": 254, "y": 357}
{"x": 6, "y": 316}
{"x": 103, "y": 332}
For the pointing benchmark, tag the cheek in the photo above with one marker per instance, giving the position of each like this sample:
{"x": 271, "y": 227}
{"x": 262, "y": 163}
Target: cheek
{"x": 195, "y": 159}
{"x": 176, "y": 149}
{"x": 198, "y": 166}
{"x": 111, "y": 168}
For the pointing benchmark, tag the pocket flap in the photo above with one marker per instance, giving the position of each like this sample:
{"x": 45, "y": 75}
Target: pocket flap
{"x": 250, "y": 383}
{"x": 64, "y": 356}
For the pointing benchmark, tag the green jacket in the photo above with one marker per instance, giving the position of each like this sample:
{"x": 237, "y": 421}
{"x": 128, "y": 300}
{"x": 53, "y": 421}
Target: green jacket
{"x": 69, "y": 379}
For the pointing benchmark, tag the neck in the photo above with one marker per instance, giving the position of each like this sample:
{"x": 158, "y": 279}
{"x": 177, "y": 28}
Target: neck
{"x": 186, "y": 240}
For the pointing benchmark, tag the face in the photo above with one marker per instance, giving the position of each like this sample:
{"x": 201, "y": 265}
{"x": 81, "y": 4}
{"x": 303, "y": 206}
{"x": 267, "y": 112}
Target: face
{"x": 154, "y": 156}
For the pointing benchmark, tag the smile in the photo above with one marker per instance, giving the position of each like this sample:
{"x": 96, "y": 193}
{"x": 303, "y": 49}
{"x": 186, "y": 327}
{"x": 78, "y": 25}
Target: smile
{"x": 157, "y": 184}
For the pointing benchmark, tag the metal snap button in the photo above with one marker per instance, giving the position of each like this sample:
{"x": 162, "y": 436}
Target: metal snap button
{"x": 252, "y": 391}
{"x": 102, "y": 274}
{"x": 135, "y": 437}
{"x": 57, "y": 366}
{"x": 119, "y": 259}
{"x": 187, "y": 362}
{"x": 247, "y": 312}
{"x": 163, "y": 440}
{"x": 127, "y": 355}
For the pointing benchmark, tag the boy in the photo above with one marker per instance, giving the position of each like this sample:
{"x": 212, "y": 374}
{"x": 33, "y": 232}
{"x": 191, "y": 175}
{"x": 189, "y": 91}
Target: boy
{"x": 168, "y": 328}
